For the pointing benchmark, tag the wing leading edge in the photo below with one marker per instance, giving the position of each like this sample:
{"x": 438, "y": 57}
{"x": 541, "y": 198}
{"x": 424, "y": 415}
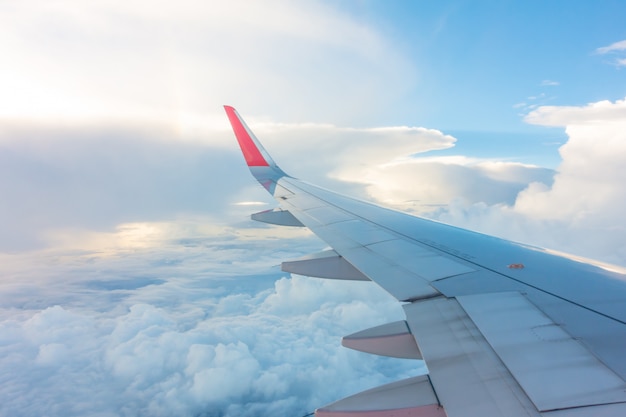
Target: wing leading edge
{"x": 505, "y": 329}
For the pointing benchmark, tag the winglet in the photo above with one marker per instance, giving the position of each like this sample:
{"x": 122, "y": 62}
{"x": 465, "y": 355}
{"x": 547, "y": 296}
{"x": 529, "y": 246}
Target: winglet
{"x": 252, "y": 149}
{"x": 261, "y": 164}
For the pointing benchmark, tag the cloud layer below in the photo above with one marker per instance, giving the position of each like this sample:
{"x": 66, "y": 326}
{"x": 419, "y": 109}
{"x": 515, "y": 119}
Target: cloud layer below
{"x": 194, "y": 325}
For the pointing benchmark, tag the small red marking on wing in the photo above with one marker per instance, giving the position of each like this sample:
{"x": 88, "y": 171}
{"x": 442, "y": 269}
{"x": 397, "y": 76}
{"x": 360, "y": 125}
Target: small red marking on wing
{"x": 253, "y": 156}
{"x": 516, "y": 266}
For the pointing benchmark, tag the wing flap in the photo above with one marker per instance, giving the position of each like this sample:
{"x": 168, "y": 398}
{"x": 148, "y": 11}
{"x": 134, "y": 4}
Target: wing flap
{"x": 555, "y": 370}
{"x": 328, "y": 215}
{"x": 468, "y": 376}
{"x": 398, "y": 282}
{"x": 420, "y": 259}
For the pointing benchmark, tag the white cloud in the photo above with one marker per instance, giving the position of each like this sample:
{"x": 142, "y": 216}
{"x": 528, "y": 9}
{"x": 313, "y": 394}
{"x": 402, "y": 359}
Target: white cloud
{"x": 601, "y": 113}
{"x": 250, "y": 203}
{"x": 97, "y": 179}
{"x": 581, "y": 211}
{"x": 94, "y": 179}
{"x": 188, "y": 326}
{"x": 549, "y": 83}
{"x": 616, "y": 46}
{"x": 590, "y": 180}
{"x": 317, "y": 152}
{"x": 423, "y": 183}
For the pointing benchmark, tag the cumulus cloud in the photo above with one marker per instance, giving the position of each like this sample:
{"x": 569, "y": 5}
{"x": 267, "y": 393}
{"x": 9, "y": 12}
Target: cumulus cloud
{"x": 97, "y": 178}
{"x": 601, "y": 113}
{"x": 423, "y": 183}
{"x": 581, "y": 210}
{"x": 184, "y": 326}
{"x": 339, "y": 156}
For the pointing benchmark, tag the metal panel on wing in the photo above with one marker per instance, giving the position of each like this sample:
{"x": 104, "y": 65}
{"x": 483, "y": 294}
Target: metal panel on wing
{"x": 420, "y": 259}
{"x": 303, "y": 201}
{"x": 362, "y": 232}
{"x": 555, "y": 370}
{"x": 468, "y": 376}
{"x": 402, "y": 284}
{"x": 328, "y": 214}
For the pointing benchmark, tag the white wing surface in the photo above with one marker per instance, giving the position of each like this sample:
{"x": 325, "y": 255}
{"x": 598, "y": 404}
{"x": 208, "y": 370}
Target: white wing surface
{"x": 505, "y": 329}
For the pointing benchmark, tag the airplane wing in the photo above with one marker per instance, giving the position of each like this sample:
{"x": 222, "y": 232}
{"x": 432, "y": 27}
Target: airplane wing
{"x": 505, "y": 329}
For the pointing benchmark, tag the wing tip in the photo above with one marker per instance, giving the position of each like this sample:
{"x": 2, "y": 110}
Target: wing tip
{"x": 251, "y": 149}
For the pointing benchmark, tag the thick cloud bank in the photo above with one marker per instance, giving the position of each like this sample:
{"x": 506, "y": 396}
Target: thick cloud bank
{"x": 151, "y": 324}
{"x": 581, "y": 210}
{"x": 94, "y": 178}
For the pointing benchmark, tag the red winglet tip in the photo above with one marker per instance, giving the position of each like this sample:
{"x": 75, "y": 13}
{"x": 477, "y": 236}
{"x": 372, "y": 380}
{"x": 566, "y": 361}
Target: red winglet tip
{"x": 250, "y": 150}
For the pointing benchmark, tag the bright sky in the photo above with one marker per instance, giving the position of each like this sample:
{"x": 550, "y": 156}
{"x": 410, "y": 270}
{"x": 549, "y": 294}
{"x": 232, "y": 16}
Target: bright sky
{"x": 479, "y": 67}
{"x": 129, "y": 272}
{"x": 477, "y": 62}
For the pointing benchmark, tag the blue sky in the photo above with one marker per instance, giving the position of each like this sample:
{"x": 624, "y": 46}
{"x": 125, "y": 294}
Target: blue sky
{"x": 479, "y": 66}
{"x": 131, "y": 278}
{"x": 476, "y": 60}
